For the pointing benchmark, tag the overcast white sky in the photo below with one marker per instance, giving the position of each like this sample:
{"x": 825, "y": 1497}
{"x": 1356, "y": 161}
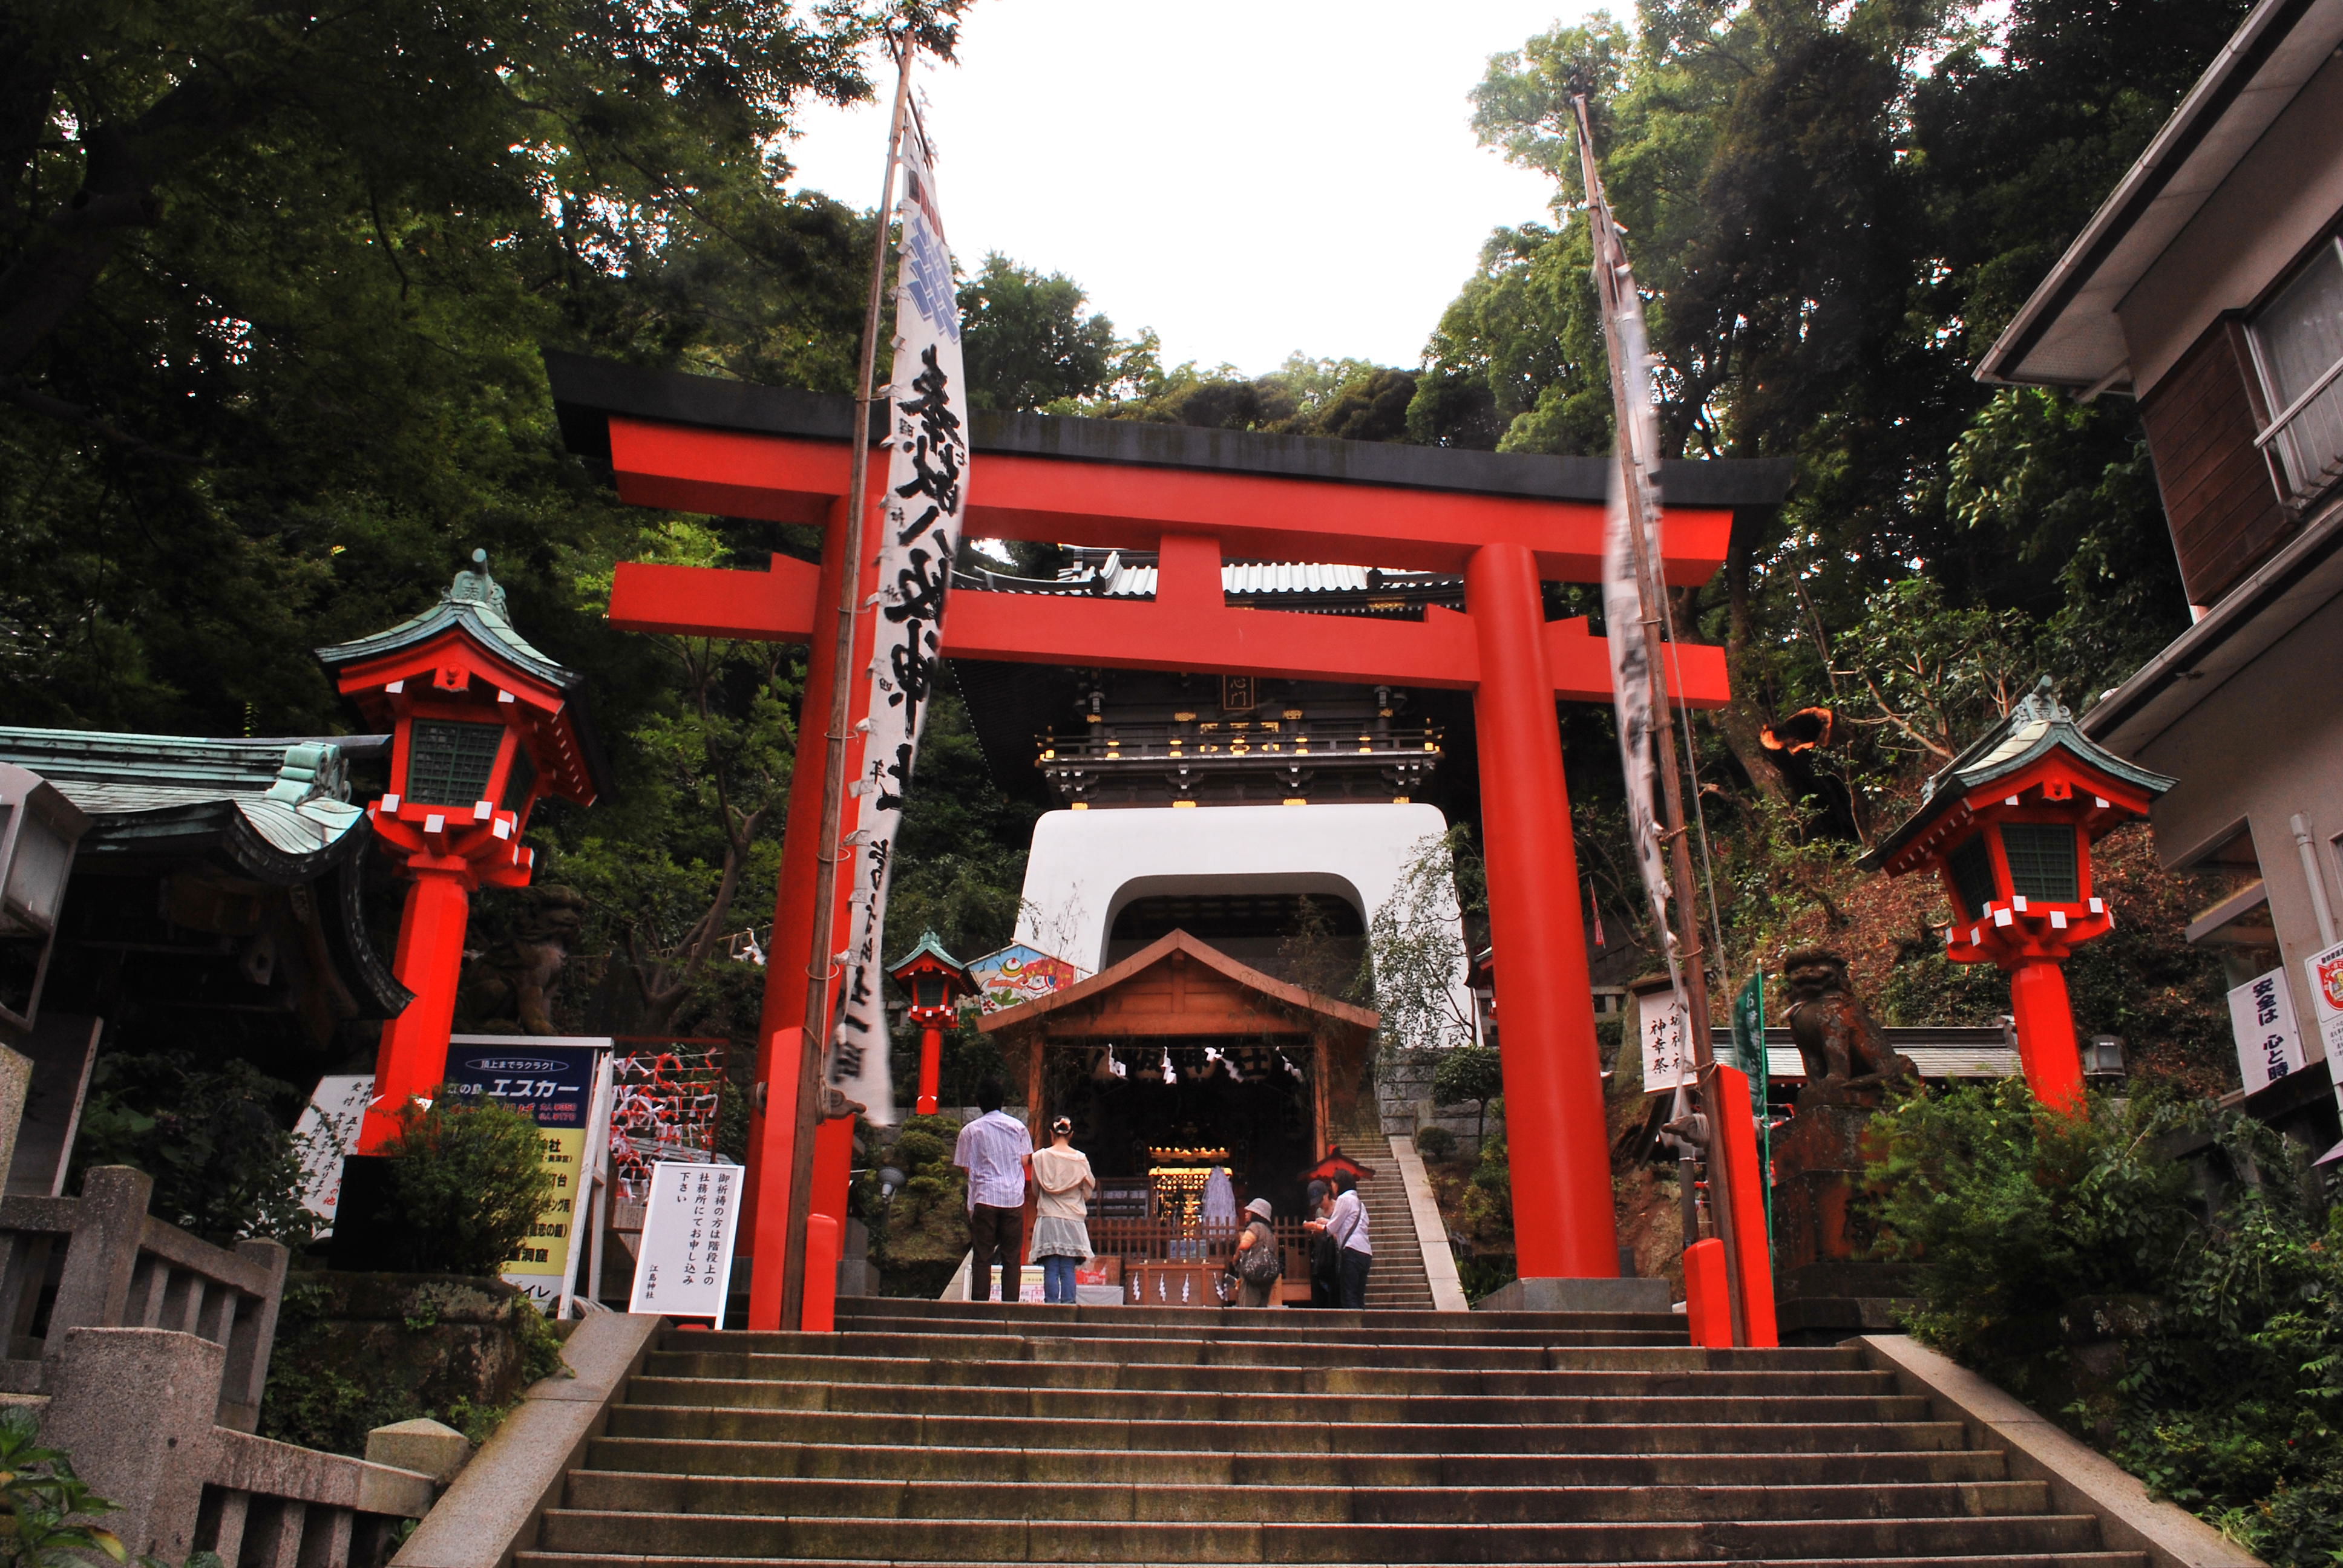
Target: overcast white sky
{"x": 1249, "y": 177}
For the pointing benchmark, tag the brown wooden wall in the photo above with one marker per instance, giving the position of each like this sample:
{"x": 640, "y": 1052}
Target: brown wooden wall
{"x": 2218, "y": 495}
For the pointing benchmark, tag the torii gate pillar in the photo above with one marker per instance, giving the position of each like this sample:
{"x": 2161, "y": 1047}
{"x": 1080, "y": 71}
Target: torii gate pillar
{"x": 1197, "y": 498}
{"x": 1565, "y": 1224}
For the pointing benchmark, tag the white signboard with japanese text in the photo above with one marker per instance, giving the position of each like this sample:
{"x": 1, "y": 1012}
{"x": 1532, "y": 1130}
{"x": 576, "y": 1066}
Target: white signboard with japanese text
{"x": 326, "y": 1135}
{"x": 2324, "y": 971}
{"x": 2261, "y": 1017}
{"x": 1668, "y": 1050}
{"x": 685, "y": 1266}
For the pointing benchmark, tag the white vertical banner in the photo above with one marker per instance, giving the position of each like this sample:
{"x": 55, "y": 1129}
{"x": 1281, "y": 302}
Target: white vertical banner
{"x": 2270, "y": 1043}
{"x": 1624, "y": 598}
{"x": 1667, "y": 1044}
{"x": 919, "y": 531}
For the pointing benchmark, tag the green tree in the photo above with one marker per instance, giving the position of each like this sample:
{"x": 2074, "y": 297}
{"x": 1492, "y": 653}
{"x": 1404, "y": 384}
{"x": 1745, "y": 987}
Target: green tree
{"x": 1028, "y": 345}
{"x": 1470, "y": 1073}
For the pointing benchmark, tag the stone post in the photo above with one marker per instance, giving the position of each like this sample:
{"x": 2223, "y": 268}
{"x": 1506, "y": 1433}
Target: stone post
{"x": 134, "y": 1408}
{"x": 94, "y": 1286}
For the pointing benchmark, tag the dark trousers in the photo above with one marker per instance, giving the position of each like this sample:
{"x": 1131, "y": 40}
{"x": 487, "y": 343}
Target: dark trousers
{"x": 992, "y": 1230}
{"x": 1355, "y": 1264}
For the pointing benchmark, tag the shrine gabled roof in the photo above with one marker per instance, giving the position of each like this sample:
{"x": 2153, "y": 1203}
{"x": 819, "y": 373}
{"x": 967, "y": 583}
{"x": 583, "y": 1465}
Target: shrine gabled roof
{"x": 474, "y": 602}
{"x": 1155, "y": 952}
{"x": 588, "y": 391}
{"x": 2038, "y": 724}
{"x": 931, "y": 946}
{"x": 278, "y": 809}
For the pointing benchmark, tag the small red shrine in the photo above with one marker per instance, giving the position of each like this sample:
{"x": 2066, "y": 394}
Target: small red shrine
{"x": 935, "y": 982}
{"x": 483, "y": 726}
{"x": 2008, "y": 824}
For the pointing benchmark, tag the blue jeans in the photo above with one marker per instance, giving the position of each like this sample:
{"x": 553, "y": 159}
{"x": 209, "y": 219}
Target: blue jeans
{"x": 1058, "y": 1281}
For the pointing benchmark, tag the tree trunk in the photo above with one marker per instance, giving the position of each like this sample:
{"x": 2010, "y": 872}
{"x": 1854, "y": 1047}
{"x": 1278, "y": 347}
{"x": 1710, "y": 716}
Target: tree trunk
{"x": 1740, "y": 719}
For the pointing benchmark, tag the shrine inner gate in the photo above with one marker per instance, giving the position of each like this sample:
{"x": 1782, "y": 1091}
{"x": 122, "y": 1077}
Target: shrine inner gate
{"x": 1505, "y": 522}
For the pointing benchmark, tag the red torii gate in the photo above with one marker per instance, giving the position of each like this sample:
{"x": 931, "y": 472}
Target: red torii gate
{"x": 1198, "y": 497}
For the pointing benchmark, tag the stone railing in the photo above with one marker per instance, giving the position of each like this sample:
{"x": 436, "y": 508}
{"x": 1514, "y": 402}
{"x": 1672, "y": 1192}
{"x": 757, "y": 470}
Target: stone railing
{"x": 148, "y": 1349}
{"x": 100, "y": 1260}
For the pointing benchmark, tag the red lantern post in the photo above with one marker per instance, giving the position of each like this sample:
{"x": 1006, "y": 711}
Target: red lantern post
{"x": 935, "y": 982}
{"x": 2008, "y": 824}
{"x": 484, "y": 726}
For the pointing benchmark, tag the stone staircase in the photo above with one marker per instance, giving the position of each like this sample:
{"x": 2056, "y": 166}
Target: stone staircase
{"x": 1397, "y": 1281}
{"x": 960, "y": 1432}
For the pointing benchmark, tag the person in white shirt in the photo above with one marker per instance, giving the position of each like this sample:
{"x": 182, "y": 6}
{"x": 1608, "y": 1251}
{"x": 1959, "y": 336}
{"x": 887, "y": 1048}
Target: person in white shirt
{"x": 1061, "y": 1240}
{"x": 997, "y": 1151}
{"x": 1347, "y": 1224}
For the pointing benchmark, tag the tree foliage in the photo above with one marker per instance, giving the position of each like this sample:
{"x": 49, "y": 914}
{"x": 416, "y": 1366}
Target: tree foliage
{"x": 469, "y": 1183}
{"x": 2030, "y": 1233}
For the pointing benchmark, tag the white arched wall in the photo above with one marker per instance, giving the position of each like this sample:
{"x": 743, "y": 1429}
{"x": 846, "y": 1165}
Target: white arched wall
{"x": 1084, "y": 866}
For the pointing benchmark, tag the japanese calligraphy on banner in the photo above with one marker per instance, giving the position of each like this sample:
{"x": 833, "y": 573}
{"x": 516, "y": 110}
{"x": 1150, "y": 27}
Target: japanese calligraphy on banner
{"x": 326, "y": 1135}
{"x": 2270, "y": 1044}
{"x": 927, "y": 468}
{"x": 1668, "y": 1043}
{"x": 563, "y": 1085}
{"x": 685, "y": 1266}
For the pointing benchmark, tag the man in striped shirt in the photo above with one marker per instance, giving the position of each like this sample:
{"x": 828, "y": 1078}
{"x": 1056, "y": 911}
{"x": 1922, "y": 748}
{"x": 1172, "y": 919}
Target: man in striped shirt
{"x": 997, "y": 1151}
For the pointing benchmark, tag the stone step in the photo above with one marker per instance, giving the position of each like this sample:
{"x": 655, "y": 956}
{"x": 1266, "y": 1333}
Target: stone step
{"x": 1285, "y": 1327}
{"x": 1297, "y": 1334}
{"x": 831, "y": 1497}
{"x": 735, "y": 1424}
{"x": 1242, "y": 1404}
{"x": 1310, "y": 1351}
{"x": 736, "y": 1536}
{"x": 2094, "y": 1559}
{"x": 1444, "y": 1323}
{"x": 685, "y": 1456}
{"x": 1258, "y": 1378}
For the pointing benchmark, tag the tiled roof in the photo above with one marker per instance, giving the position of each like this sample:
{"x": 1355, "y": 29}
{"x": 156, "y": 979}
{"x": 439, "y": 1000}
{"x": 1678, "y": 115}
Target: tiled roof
{"x": 280, "y": 807}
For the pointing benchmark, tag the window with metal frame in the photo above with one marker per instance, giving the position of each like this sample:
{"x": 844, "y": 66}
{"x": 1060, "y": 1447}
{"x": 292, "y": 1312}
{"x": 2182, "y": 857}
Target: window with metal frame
{"x": 2041, "y": 857}
{"x": 1972, "y": 868}
{"x": 449, "y": 763}
{"x": 2298, "y": 343}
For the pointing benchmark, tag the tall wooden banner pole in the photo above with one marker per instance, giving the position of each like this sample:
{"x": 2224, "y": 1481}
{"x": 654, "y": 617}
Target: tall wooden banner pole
{"x": 814, "y": 1038}
{"x": 1638, "y": 471}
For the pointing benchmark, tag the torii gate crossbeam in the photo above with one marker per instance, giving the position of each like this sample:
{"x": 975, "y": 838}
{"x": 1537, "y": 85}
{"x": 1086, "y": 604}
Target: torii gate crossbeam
{"x": 1198, "y": 498}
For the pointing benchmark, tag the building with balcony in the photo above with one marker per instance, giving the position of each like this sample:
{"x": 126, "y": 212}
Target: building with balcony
{"x": 2209, "y": 287}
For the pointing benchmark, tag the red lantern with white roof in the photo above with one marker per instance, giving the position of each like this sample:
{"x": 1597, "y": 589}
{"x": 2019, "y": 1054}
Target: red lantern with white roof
{"x": 2008, "y": 824}
{"x": 483, "y": 726}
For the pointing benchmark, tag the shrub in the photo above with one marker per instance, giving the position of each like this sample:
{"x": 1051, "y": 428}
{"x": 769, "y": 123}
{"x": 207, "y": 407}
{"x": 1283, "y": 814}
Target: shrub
{"x": 1473, "y": 1073}
{"x": 2226, "y": 1394}
{"x": 469, "y": 1181}
{"x": 214, "y": 1139}
{"x": 1435, "y": 1143}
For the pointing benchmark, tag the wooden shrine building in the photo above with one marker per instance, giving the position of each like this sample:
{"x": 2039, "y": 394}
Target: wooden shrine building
{"x": 1177, "y": 1061}
{"x": 1179, "y": 1049}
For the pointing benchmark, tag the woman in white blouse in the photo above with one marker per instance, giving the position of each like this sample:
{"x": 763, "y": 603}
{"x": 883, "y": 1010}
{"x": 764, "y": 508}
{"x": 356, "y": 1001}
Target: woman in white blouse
{"x": 1061, "y": 1239}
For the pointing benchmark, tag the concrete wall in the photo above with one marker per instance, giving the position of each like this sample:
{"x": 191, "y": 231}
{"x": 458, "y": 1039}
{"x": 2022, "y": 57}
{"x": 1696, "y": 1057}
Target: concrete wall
{"x": 1085, "y": 866}
{"x": 2265, "y": 745}
{"x": 2286, "y": 190}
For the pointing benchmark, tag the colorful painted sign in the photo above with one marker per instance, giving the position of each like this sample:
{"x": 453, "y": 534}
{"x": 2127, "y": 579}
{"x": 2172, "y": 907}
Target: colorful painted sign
{"x": 563, "y": 1085}
{"x": 2261, "y": 1017}
{"x": 1018, "y": 973}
